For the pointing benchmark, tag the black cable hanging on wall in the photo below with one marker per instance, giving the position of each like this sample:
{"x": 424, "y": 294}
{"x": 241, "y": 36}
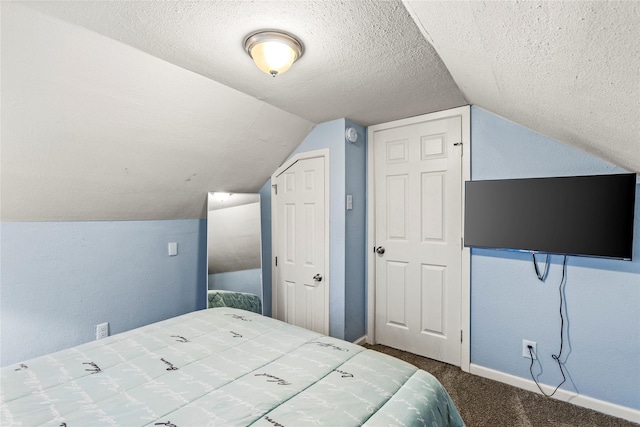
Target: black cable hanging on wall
{"x": 555, "y": 357}
{"x": 542, "y": 276}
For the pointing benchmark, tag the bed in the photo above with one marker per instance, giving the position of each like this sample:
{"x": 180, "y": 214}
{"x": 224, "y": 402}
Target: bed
{"x": 219, "y": 367}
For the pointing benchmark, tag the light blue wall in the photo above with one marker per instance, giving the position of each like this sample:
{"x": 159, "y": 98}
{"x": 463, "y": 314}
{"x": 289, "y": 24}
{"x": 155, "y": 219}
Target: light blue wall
{"x": 355, "y": 239}
{"x": 331, "y": 135}
{"x": 60, "y": 279}
{"x": 249, "y": 281}
{"x": 509, "y": 304}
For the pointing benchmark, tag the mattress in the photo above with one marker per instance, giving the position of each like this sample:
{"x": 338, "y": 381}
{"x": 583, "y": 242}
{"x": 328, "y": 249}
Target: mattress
{"x": 219, "y": 367}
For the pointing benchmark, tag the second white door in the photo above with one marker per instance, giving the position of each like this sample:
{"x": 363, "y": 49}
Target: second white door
{"x": 418, "y": 217}
{"x": 301, "y": 288}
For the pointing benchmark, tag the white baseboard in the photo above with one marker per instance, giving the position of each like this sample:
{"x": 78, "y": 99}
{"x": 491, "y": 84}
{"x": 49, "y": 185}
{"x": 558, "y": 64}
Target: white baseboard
{"x": 608, "y": 408}
{"x": 361, "y": 340}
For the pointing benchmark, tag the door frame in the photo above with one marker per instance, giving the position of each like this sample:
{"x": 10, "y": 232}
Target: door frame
{"x": 465, "y": 302}
{"x": 274, "y": 227}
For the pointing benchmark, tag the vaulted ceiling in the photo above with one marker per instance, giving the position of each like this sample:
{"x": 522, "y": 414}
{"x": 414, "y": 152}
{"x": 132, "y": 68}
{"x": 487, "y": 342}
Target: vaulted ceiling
{"x": 135, "y": 110}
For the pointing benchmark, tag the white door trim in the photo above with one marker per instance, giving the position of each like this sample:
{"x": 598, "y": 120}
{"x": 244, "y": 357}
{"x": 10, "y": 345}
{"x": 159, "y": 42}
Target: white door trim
{"x": 465, "y": 309}
{"x": 274, "y": 225}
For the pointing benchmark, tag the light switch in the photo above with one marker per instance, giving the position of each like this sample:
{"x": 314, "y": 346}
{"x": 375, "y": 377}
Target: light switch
{"x": 173, "y": 249}
{"x": 349, "y": 202}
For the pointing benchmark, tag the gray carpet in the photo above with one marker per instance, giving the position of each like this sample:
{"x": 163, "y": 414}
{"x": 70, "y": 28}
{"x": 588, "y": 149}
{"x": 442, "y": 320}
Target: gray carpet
{"x": 484, "y": 402}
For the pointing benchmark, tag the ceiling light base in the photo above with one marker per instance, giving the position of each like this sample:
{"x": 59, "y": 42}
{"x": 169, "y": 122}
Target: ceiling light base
{"x": 273, "y": 51}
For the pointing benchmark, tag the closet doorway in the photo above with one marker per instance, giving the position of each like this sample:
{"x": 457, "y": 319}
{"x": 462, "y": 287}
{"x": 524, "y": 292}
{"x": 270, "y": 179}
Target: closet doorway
{"x": 300, "y": 230}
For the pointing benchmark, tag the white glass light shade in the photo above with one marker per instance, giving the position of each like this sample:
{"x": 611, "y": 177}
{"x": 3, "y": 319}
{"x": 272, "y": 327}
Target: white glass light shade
{"x": 273, "y": 52}
{"x": 272, "y": 57}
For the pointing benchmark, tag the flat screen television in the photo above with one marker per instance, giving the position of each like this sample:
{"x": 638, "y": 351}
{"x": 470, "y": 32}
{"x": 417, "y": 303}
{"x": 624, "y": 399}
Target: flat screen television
{"x": 579, "y": 215}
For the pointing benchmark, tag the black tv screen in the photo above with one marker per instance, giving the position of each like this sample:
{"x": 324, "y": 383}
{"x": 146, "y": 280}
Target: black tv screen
{"x": 578, "y": 215}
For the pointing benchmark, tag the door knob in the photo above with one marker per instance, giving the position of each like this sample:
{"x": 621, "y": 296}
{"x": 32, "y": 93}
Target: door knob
{"x": 317, "y": 277}
{"x": 380, "y": 250}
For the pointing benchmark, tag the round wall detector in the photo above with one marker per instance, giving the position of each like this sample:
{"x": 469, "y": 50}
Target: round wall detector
{"x": 351, "y": 134}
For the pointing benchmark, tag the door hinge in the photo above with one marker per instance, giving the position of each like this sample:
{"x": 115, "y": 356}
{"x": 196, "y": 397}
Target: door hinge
{"x": 461, "y": 146}
{"x": 275, "y": 188}
{"x": 460, "y": 335}
{"x": 276, "y": 261}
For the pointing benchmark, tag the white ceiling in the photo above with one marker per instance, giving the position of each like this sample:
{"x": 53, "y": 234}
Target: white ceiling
{"x": 357, "y": 53}
{"x": 135, "y": 110}
{"x": 567, "y": 69}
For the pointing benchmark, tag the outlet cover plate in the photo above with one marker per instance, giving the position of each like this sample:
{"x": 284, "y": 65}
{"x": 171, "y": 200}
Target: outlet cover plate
{"x": 525, "y": 349}
{"x": 102, "y": 330}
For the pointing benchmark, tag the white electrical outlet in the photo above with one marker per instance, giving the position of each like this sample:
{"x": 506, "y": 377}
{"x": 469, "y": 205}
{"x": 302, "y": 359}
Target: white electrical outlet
{"x": 102, "y": 330}
{"x": 525, "y": 349}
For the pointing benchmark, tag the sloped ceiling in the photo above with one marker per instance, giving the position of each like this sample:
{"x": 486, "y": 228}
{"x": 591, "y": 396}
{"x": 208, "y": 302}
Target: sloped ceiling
{"x": 135, "y": 110}
{"x": 364, "y": 60}
{"x": 567, "y": 69}
{"x": 93, "y": 129}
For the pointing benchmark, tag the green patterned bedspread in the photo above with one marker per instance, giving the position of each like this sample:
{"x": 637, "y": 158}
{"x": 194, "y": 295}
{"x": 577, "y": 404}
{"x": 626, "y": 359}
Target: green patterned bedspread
{"x": 221, "y": 367}
{"x": 233, "y": 299}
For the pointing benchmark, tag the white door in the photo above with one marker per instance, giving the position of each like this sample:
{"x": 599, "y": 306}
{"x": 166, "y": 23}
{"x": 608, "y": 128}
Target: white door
{"x": 418, "y": 230}
{"x": 300, "y": 236}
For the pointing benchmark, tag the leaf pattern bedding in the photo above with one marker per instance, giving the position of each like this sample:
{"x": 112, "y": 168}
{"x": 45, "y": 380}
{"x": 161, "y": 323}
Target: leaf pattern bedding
{"x": 245, "y": 301}
{"x": 219, "y": 367}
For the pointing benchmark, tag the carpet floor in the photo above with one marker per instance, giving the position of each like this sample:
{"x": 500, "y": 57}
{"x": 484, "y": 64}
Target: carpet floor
{"x": 483, "y": 402}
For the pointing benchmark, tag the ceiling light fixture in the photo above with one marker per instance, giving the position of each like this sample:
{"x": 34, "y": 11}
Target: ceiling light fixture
{"x": 273, "y": 51}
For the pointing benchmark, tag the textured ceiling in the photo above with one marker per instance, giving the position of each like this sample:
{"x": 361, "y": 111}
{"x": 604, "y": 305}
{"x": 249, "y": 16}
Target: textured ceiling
{"x": 567, "y": 69}
{"x": 93, "y": 129}
{"x": 364, "y": 60}
{"x": 122, "y": 110}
